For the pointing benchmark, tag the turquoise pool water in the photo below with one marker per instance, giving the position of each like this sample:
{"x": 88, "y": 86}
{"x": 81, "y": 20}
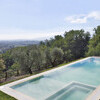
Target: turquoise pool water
{"x": 86, "y": 72}
{"x": 73, "y": 91}
{"x": 74, "y": 94}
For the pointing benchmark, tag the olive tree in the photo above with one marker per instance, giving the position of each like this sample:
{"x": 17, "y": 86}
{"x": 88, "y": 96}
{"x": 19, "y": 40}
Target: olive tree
{"x": 56, "y": 56}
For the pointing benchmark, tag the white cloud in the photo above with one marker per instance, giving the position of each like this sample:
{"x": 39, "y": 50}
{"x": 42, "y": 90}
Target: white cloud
{"x": 83, "y": 18}
{"x": 19, "y": 34}
{"x": 15, "y": 34}
{"x": 95, "y": 15}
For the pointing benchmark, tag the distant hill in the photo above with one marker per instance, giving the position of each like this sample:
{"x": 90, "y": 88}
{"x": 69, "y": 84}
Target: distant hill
{"x": 6, "y": 45}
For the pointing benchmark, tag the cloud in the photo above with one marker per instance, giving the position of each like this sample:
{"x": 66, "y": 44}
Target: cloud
{"x": 16, "y": 34}
{"x": 83, "y": 18}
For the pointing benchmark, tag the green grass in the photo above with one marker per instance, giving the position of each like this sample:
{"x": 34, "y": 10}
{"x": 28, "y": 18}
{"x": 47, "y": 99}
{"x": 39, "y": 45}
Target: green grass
{"x": 4, "y": 96}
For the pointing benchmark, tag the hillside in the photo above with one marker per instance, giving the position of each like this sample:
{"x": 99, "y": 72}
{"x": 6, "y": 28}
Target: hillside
{"x": 6, "y": 45}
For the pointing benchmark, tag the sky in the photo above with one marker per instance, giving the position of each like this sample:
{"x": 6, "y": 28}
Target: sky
{"x": 43, "y": 19}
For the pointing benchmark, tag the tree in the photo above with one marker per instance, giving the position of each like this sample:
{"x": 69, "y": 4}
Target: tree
{"x": 76, "y": 42}
{"x": 39, "y": 58}
{"x": 56, "y": 56}
{"x": 48, "y": 57}
{"x": 30, "y": 58}
{"x": 16, "y": 68}
{"x": 94, "y": 44}
{"x": 2, "y": 67}
{"x": 8, "y": 61}
{"x": 67, "y": 56}
{"x": 97, "y": 30}
{"x": 25, "y": 60}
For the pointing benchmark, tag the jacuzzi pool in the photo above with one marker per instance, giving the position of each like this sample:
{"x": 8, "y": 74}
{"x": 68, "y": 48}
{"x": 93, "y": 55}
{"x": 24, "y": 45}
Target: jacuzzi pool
{"x": 72, "y": 91}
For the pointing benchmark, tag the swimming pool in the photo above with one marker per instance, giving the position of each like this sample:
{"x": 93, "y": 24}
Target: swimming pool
{"x": 44, "y": 87}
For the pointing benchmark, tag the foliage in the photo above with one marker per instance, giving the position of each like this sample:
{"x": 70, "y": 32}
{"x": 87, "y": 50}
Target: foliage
{"x": 73, "y": 45}
{"x": 56, "y": 56}
{"x": 94, "y": 44}
{"x": 77, "y": 42}
{"x": 2, "y": 67}
{"x": 15, "y": 68}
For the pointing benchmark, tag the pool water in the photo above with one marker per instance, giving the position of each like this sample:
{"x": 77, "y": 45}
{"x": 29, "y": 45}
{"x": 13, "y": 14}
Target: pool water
{"x": 74, "y": 94}
{"x": 86, "y": 72}
{"x": 73, "y": 91}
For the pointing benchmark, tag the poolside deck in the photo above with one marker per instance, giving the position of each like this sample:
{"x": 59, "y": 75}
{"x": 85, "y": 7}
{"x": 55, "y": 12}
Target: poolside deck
{"x": 95, "y": 95}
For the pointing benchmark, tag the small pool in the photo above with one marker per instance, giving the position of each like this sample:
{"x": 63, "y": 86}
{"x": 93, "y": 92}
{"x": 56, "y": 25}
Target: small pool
{"x": 73, "y": 91}
{"x": 48, "y": 85}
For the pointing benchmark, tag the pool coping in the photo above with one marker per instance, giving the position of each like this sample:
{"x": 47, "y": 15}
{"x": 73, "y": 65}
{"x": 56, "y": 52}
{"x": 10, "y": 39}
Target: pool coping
{"x": 20, "y": 96}
{"x": 95, "y": 95}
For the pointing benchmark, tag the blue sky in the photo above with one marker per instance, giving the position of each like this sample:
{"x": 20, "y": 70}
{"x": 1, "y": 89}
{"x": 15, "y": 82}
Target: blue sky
{"x": 41, "y": 19}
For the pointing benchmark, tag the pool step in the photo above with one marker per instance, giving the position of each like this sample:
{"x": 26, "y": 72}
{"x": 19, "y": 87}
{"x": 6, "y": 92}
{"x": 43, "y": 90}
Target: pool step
{"x": 70, "y": 91}
{"x": 69, "y": 87}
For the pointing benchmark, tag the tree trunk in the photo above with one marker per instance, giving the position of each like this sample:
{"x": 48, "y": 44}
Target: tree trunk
{"x": 6, "y": 76}
{"x": 53, "y": 64}
{"x": 30, "y": 71}
{"x": 17, "y": 72}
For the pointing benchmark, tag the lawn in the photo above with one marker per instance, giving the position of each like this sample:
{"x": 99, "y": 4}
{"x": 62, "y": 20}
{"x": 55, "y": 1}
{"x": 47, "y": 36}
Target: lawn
{"x": 4, "y": 96}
